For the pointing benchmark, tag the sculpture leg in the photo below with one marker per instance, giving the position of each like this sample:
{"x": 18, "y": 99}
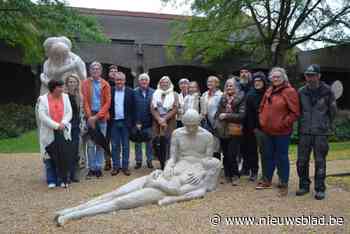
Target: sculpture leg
{"x": 132, "y": 200}
{"x": 132, "y": 186}
{"x": 199, "y": 193}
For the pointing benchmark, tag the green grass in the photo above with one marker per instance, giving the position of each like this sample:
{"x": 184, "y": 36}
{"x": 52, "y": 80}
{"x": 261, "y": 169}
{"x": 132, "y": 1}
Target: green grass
{"x": 26, "y": 143}
{"x": 337, "y": 151}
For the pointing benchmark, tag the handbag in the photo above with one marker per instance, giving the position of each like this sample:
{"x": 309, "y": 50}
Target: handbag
{"x": 234, "y": 129}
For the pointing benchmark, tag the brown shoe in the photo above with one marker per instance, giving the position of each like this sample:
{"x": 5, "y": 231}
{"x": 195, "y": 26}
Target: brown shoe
{"x": 114, "y": 172}
{"x": 108, "y": 165}
{"x": 283, "y": 190}
{"x": 126, "y": 171}
{"x": 263, "y": 185}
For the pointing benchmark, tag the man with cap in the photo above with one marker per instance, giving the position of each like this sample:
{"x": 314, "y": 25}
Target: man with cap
{"x": 318, "y": 110}
{"x": 254, "y": 135}
{"x": 245, "y": 85}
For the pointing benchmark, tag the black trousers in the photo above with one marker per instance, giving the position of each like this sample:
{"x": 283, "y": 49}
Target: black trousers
{"x": 249, "y": 153}
{"x": 319, "y": 146}
{"x": 230, "y": 148}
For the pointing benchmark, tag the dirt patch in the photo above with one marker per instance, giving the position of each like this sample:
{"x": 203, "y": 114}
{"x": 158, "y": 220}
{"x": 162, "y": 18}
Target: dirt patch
{"x": 28, "y": 206}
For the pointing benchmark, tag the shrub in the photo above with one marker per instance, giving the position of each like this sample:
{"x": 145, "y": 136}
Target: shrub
{"x": 16, "y": 119}
{"x": 341, "y": 133}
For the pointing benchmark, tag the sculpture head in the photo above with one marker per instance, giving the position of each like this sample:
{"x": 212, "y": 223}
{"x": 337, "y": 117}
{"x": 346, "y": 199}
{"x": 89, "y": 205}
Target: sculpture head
{"x": 49, "y": 42}
{"x": 191, "y": 120}
{"x": 58, "y": 51}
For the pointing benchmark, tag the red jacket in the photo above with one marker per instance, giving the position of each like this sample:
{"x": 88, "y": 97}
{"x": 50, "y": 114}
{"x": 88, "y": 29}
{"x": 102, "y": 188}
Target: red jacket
{"x": 103, "y": 114}
{"x": 279, "y": 109}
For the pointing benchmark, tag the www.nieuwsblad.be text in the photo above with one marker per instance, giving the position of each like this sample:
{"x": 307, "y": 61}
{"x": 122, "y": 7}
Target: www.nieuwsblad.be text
{"x": 303, "y": 220}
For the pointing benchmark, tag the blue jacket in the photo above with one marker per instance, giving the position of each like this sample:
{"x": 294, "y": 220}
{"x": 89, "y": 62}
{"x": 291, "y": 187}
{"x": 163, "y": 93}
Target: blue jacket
{"x": 143, "y": 113}
{"x": 129, "y": 106}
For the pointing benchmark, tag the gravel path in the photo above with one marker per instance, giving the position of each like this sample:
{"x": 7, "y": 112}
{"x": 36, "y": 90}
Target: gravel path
{"x": 27, "y": 205}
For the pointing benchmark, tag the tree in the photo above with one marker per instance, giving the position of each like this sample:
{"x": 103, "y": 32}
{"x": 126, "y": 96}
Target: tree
{"x": 26, "y": 25}
{"x": 267, "y": 30}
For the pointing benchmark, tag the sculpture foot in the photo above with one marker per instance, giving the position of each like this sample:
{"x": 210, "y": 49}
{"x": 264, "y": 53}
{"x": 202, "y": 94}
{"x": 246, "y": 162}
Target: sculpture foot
{"x": 165, "y": 201}
{"x": 60, "y": 220}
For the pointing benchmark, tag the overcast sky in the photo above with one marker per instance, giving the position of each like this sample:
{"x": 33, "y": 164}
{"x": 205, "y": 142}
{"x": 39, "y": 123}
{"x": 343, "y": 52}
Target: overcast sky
{"x": 130, "y": 5}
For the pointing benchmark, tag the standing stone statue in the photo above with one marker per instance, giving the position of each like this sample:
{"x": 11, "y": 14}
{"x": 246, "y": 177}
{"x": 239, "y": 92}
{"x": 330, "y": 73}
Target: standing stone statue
{"x": 190, "y": 173}
{"x": 60, "y": 62}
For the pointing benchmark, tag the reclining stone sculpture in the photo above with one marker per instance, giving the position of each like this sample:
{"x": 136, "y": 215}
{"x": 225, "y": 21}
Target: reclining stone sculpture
{"x": 190, "y": 173}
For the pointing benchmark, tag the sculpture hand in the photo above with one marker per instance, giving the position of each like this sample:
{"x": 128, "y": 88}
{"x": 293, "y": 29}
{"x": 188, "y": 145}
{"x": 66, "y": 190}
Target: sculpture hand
{"x": 192, "y": 179}
{"x": 44, "y": 79}
{"x": 168, "y": 172}
{"x": 155, "y": 174}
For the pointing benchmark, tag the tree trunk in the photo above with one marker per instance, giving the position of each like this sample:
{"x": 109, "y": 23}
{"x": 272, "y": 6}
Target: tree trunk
{"x": 279, "y": 57}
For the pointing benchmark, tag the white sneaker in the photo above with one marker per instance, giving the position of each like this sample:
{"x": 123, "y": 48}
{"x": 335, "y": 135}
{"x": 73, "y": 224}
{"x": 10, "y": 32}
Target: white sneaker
{"x": 63, "y": 185}
{"x": 51, "y": 186}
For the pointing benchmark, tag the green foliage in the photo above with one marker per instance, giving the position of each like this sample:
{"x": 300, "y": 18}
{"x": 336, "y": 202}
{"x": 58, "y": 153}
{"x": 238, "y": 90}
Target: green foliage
{"x": 26, "y": 25}
{"x": 266, "y": 30}
{"x": 341, "y": 133}
{"x": 26, "y": 143}
{"x": 16, "y": 119}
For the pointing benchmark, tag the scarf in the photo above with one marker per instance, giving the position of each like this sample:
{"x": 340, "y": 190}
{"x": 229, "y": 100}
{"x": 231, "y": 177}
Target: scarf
{"x": 167, "y": 101}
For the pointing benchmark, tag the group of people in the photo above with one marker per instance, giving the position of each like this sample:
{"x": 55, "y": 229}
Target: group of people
{"x": 253, "y": 115}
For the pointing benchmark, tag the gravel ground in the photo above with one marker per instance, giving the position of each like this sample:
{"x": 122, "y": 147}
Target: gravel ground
{"x": 28, "y": 206}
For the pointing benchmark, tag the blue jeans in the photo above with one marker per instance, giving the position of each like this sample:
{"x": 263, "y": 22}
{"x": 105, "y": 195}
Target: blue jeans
{"x": 120, "y": 139}
{"x": 276, "y": 154}
{"x": 95, "y": 152}
{"x": 138, "y": 149}
{"x": 51, "y": 172}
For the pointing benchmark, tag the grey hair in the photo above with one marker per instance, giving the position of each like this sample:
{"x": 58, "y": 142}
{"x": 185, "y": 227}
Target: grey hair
{"x": 280, "y": 70}
{"x": 234, "y": 81}
{"x": 95, "y": 63}
{"x": 121, "y": 75}
{"x": 215, "y": 78}
{"x": 183, "y": 80}
{"x": 144, "y": 76}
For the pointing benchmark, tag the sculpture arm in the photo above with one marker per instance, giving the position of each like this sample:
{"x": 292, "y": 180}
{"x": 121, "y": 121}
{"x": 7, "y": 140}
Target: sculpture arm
{"x": 174, "y": 152}
{"x": 81, "y": 67}
{"x": 199, "y": 193}
{"x": 66, "y": 68}
{"x": 43, "y": 76}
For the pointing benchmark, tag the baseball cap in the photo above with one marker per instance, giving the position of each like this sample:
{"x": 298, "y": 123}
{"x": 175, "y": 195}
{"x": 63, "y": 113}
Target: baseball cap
{"x": 313, "y": 69}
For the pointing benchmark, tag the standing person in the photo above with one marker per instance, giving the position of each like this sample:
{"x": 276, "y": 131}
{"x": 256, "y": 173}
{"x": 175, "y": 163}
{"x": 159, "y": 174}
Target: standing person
{"x": 55, "y": 113}
{"x": 209, "y": 104}
{"x": 97, "y": 100}
{"x": 183, "y": 85}
{"x": 143, "y": 119}
{"x": 112, "y": 74}
{"x": 245, "y": 85}
{"x": 191, "y": 101}
{"x": 122, "y": 115}
{"x": 230, "y": 115}
{"x": 253, "y": 133}
{"x": 279, "y": 109}
{"x": 318, "y": 110}
{"x": 73, "y": 89}
{"x": 164, "y": 106}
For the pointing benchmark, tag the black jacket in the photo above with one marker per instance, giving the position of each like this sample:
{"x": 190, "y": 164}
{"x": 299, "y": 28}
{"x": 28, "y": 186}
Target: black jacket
{"x": 143, "y": 113}
{"x": 318, "y": 110}
{"x": 253, "y": 100}
{"x": 129, "y": 104}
